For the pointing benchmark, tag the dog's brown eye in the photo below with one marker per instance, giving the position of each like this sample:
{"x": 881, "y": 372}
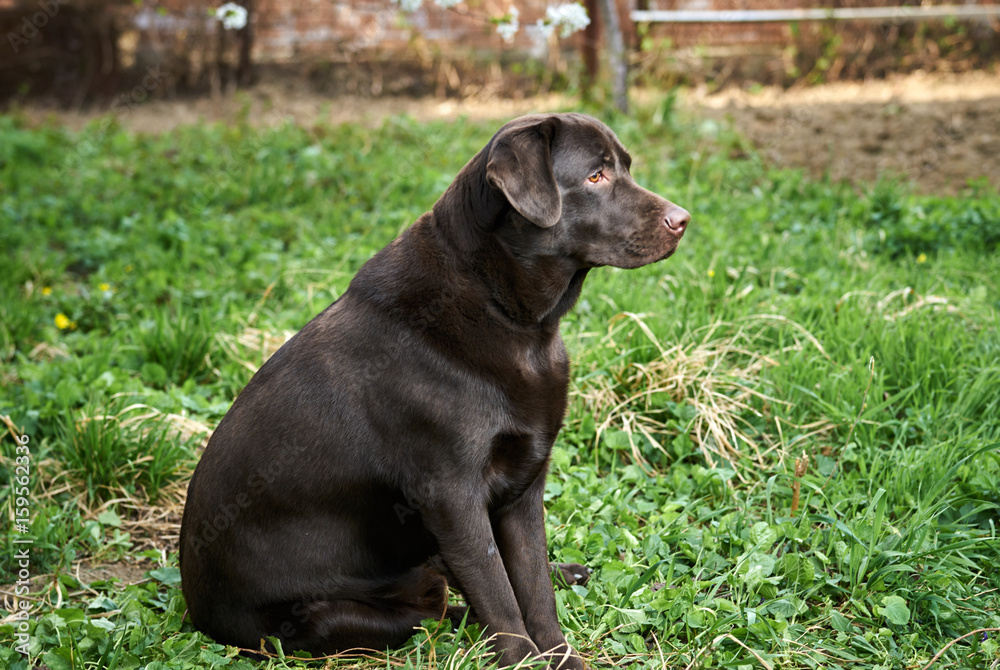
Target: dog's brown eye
{"x": 596, "y": 177}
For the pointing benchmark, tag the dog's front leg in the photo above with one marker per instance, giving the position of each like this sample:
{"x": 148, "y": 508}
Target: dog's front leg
{"x": 520, "y": 534}
{"x": 469, "y": 550}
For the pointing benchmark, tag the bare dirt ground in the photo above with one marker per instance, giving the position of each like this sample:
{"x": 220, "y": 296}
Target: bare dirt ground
{"x": 937, "y": 130}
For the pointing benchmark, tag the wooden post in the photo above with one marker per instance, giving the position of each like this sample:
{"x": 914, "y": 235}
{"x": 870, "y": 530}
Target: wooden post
{"x": 617, "y": 57}
{"x": 591, "y": 42}
{"x": 244, "y": 68}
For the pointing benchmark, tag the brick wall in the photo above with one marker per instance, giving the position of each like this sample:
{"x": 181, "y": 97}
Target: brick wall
{"x": 333, "y": 30}
{"x": 93, "y": 47}
{"x": 287, "y": 30}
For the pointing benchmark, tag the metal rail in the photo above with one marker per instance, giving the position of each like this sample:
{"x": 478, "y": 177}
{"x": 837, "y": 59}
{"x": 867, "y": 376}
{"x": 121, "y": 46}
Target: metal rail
{"x": 905, "y": 13}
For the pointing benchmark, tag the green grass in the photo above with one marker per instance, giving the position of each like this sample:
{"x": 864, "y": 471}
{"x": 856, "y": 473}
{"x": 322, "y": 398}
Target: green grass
{"x": 851, "y": 328}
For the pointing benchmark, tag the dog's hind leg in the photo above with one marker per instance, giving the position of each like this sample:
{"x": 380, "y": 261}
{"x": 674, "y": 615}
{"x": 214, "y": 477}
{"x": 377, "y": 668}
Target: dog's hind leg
{"x": 384, "y": 616}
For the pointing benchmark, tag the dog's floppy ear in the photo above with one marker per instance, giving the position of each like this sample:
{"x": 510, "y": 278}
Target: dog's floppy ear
{"x": 520, "y": 165}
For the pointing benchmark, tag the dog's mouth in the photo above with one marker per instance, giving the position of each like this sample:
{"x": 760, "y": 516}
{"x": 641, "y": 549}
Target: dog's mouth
{"x": 663, "y": 255}
{"x": 652, "y": 241}
{"x": 654, "y": 253}
{"x": 666, "y": 255}
{"x": 633, "y": 256}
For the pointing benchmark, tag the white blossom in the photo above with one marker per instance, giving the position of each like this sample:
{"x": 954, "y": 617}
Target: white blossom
{"x": 570, "y": 17}
{"x": 509, "y": 25}
{"x": 545, "y": 28}
{"x": 409, "y": 5}
{"x": 233, "y": 16}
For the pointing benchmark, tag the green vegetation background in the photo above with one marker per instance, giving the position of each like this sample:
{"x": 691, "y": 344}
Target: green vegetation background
{"x": 851, "y": 328}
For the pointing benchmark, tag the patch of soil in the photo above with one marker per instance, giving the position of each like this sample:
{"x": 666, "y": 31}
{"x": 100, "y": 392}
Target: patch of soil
{"x": 938, "y": 131}
{"x": 125, "y": 572}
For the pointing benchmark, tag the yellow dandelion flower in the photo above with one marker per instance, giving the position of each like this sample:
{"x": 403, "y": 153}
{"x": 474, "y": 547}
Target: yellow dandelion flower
{"x": 105, "y": 287}
{"x": 711, "y": 273}
{"x": 46, "y": 290}
{"x": 62, "y": 321}
{"x": 922, "y": 258}
{"x": 129, "y": 267}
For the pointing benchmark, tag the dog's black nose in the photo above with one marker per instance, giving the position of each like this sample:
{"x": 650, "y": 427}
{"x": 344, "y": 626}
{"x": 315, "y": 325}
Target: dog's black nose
{"x": 677, "y": 218}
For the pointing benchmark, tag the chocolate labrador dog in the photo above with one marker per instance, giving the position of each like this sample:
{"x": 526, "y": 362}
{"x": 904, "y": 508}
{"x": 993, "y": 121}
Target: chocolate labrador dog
{"x": 399, "y": 443}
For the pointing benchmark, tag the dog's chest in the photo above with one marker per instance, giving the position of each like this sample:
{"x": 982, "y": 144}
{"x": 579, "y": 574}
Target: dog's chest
{"x": 540, "y": 367}
{"x": 515, "y": 461}
{"x": 536, "y": 382}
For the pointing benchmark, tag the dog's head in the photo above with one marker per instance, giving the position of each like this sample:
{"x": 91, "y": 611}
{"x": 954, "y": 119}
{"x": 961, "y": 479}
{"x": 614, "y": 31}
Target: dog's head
{"x": 568, "y": 175}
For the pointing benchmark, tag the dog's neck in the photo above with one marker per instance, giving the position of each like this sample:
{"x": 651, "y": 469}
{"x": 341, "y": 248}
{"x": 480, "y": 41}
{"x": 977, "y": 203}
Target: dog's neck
{"x": 470, "y": 207}
{"x": 525, "y": 285}
{"x": 529, "y": 292}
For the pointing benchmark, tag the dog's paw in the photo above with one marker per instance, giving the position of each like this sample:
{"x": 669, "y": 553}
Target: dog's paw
{"x": 567, "y": 574}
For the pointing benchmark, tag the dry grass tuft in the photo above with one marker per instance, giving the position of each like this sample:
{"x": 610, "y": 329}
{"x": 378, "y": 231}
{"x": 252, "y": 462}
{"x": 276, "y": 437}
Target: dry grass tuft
{"x": 253, "y": 346}
{"x": 43, "y": 351}
{"x": 155, "y": 525}
{"x": 144, "y": 418}
{"x": 150, "y": 525}
{"x": 717, "y": 372}
{"x": 910, "y": 300}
